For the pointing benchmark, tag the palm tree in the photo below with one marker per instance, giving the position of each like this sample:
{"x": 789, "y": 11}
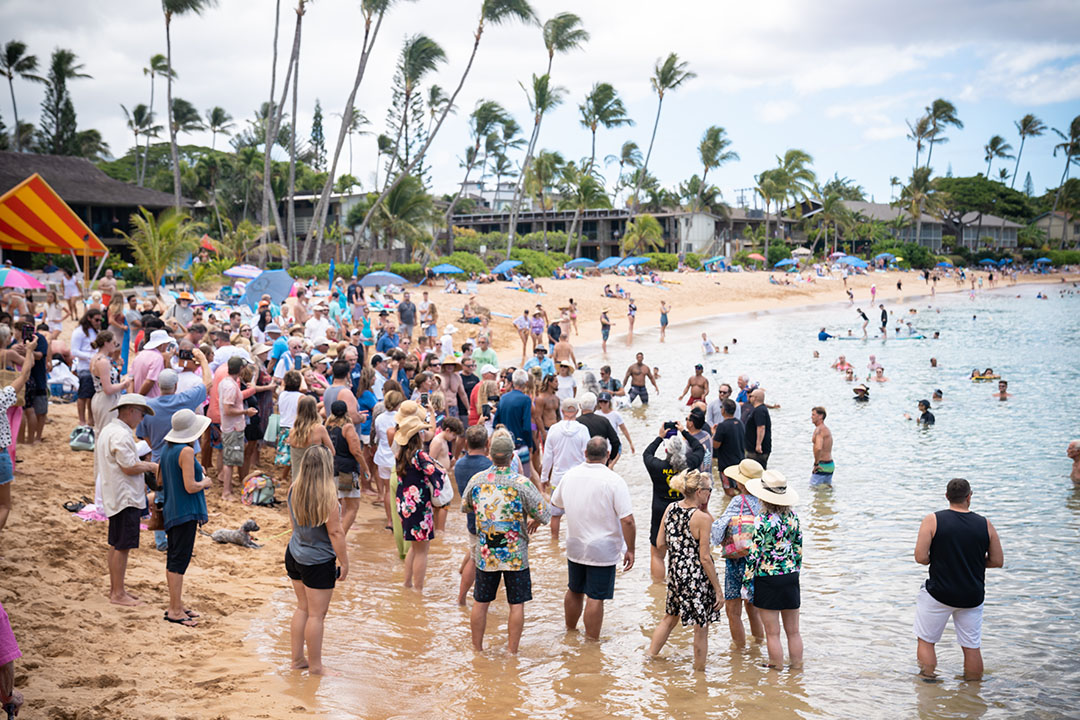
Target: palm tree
{"x": 996, "y": 147}
{"x": 159, "y": 65}
{"x": 1070, "y": 147}
{"x": 894, "y": 182}
{"x": 185, "y": 118}
{"x": 713, "y": 152}
{"x": 772, "y": 187}
{"x": 140, "y": 121}
{"x": 483, "y": 119}
{"x": 159, "y": 243}
{"x": 15, "y": 62}
{"x": 420, "y": 55}
{"x": 355, "y": 126}
{"x": 919, "y": 132}
{"x": 1027, "y": 126}
{"x": 218, "y": 121}
{"x": 643, "y": 233}
{"x": 175, "y": 8}
{"x": 436, "y": 102}
{"x": 543, "y": 99}
{"x": 629, "y": 156}
{"x": 796, "y": 178}
{"x": 507, "y": 139}
{"x": 495, "y": 12}
{"x": 941, "y": 113}
{"x": 920, "y": 196}
{"x": 404, "y": 213}
{"x": 290, "y": 205}
{"x": 833, "y": 214}
{"x": 562, "y": 34}
{"x": 669, "y": 75}
{"x": 383, "y": 145}
{"x": 602, "y": 106}
{"x": 581, "y": 191}
{"x": 542, "y": 174}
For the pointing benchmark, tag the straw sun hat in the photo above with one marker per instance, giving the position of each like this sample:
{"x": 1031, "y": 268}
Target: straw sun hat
{"x": 745, "y": 471}
{"x": 187, "y": 427}
{"x": 772, "y": 487}
{"x": 408, "y": 427}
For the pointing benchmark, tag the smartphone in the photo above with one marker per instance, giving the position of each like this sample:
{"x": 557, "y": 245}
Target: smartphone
{"x": 485, "y": 410}
{"x": 424, "y": 399}
{"x": 185, "y": 354}
{"x": 27, "y": 331}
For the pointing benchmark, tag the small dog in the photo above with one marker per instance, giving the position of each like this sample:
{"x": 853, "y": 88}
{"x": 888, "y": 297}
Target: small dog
{"x": 241, "y": 537}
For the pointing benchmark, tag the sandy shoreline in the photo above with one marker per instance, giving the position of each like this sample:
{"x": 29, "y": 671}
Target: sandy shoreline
{"x": 87, "y": 659}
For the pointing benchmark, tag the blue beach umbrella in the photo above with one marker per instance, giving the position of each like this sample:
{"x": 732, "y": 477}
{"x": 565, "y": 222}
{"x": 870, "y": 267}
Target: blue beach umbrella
{"x": 944, "y": 263}
{"x": 356, "y": 266}
{"x": 382, "y": 277}
{"x": 987, "y": 261}
{"x": 884, "y": 256}
{"x": 505, "y": 266}
{"x": 785, "y": 262}
{"x": 1042, "y": 260}
{"x": 853, "y": 261}
{"x": 581, "y": 262}
{"x": 1005, "y": 261}
{"x": 609, "y": 262}
{"x": 637, "y": 260}
{"x": 713, "y": 259}
{"x": 275, "y": 283}
{"x": 447, "y": 269}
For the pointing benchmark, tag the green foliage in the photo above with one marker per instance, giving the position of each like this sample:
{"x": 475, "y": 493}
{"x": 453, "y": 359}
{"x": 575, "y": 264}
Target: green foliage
{"x": 409, "y": 271}
{"x": 1064, "y": 257}
{"x": 743, "y": 258}
{"x": 1031, "y": 237}
{"x": 665, "y": 262}
{"x": 202, "y": 273}
{"x": 915, "y": 255}
{"x": 320, "y": 271}
{"x": 64, "y": 262}
{"x": 538, "y": 264}
{"x": 159, "y": 243}
{"x": 121, "y": 268}
{"x": 977, "y": 194}
{"x": 694, "y": 260}
{"x": 778, "y": 252}
{"x": 469, "y": 262}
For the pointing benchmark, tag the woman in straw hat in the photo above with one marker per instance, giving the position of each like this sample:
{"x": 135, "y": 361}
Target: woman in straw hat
{"x": 772, "y": 566}
{"x": 316, "y": 557}
{"x": 181, "y": 478}
{"x": 693, "y": 592}
{"x": 729, "y": 532}
{"x": 419, "y": 479}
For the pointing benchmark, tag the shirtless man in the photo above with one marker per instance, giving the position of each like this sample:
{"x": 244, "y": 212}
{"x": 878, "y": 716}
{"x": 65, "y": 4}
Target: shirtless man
{"x": 1073, "y": 451}
{"x": 300, "y": 311}
{"x": 638, "y": 372}
{"x": 107, "y": 286}
{"x": 545, "y": 412}
{"x": 1003, "y": 391}
{"x": 440, "y": 450}
{"x": 697, "y": 385}
{"x": 563, "y": 351}
{"x": 452, "y": 386}
{"x": 879, "y": 375}
{"x": 823, "y": 462}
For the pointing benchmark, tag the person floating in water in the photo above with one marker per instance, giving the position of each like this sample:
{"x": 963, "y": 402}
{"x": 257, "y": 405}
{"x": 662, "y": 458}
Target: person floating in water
{"x": 1073, "y": 451}
{"x": 841, "y": 364}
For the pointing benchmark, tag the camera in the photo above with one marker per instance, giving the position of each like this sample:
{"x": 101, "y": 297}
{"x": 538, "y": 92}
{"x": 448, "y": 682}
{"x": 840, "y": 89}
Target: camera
{"x": 669, "y": 425}
{"x": 27, "y": 331}
{"x": 185, "y": 354}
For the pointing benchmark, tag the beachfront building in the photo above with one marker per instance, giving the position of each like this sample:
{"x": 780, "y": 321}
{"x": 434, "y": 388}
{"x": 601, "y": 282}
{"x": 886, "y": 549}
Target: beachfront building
{"x": 898, "y": 221}
{"x": 103, "y": 203}
{"x": 983, "y": 230}
{"x": 494, "y": 197}
{"x": 1060, "y": 228}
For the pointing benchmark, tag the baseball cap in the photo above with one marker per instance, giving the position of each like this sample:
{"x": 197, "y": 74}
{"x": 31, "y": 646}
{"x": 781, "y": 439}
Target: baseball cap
{"x": 489, "y": 368}
{"x": 502, "y": 445}
{"x": 273, "y": 328}
{"x": 699, "y": 366}
{"x": 604, "y": 396}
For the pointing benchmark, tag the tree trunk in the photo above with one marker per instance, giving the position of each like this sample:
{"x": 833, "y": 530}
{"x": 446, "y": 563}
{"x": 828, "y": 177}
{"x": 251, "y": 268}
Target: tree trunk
{"x": 446, "y": 111}
{"x": 319, "y": 216}
{"x": 592, "y": 155}
{"x": 15, "y": 111}
{"x": 146, "y": 153}
{"x": 268, "y": 121}
{"x": 1053, "y": 211}
{"x": 449, "y": 217}
{"x": 930, "y": 151}
{"x": 573, "y": 231}
{"x": 1017, "y": 168}
{"x": 645, "y": 167}
{"x": 273, "y": 124}
{"x": 397, "y": 140}
{"x": 168, "y": 114}
{"x": 290, "y": 206}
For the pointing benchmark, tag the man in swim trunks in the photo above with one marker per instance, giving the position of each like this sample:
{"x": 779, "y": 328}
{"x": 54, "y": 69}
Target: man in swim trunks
{"x": 697, "y": 385}
{"x": 636, "y": 374}
{"x": 822, "y": 440}
{"x": 884, "y": 321}
{"x": 545, "y": 411}
{"x": 1003, "y": 391}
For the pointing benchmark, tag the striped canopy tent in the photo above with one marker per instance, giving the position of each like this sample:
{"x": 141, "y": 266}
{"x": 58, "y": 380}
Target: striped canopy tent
{"x": 33, "y": 218}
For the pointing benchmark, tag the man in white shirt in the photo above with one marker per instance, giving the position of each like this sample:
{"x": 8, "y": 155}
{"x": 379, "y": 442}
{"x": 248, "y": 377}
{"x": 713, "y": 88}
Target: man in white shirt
{"x": 224, "y": 349}
{"x": 600, "y": 530}
{"x": 319, "y": 324}
{"x": 123, "y": 490}
{"x": 382, "y": 374}
{"x": 713, "y": 414}
{"x": 287, "y": 361}
{"x": 564, "y": 449}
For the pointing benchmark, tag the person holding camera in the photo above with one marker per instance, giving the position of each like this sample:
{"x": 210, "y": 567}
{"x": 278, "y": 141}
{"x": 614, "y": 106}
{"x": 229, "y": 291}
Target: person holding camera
{"x": 678, "y": 450}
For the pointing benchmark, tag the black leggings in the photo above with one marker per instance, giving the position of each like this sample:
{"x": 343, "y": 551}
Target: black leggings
{"x": 181, "y": 543}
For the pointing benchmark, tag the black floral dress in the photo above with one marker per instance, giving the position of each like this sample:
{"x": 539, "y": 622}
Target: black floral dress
{"x": 423, "y": 480}
{"x": 690, "y": 595}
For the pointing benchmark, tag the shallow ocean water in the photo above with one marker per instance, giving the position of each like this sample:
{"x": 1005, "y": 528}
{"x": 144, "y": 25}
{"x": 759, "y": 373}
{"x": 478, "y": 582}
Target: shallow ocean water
{"x": 404, "y": 655}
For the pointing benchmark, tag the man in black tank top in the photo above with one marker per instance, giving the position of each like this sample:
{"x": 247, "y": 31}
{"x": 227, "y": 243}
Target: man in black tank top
{"x": 958, "y": 545}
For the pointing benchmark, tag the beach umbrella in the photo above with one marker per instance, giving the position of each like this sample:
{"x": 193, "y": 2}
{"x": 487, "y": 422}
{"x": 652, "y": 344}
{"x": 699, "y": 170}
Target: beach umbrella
{"x": 801, "y": 252}
{"x": 382, "y": 277}
{"x": 1005, "y": 261}
{"x": 447, "y": 269}
{"x": 898, "y": 258}
{"x": 356, "y": 266}
{"x": 714, "y": 259}
{"x": 785, "y": 263}
{"x": 505, "y": 266}
{"x": 837, "y": 254}
{"x": 207, "y": 243}
{"x": 1042, "y": 260}
{"x": 884, "y": 256}
{"x": 581, "y": 262}
{"x": 638, "y": 260}
{"x": 247, "y": 272}
{"x": 275, "y": 283}
{"x": 854, "y": 261}
{"x": 944, "y": 263}
{"x": 757, "y": 256}
{"x": 609, "y": 262}
{"x": 987, "y": 261}
{"x": 15, "y": 278}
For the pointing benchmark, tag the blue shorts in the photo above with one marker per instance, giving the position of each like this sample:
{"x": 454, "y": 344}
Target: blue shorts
{"x": 638, "y": 391}
{"x": 820, "y": 479}
{"x": 6, "y": 472}
{"x": 523, "y": 455}
{"x": 595, "y": 581}
{"x": 605, "y": 331}
{"x": 518, "y": 585}
{"x": 431, "y": 331}
{"x": 733, "y": 577}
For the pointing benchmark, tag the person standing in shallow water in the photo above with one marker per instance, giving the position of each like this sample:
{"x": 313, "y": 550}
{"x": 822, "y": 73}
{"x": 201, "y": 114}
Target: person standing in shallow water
{"x": 694, "y": 595}
{"x": 957, "y": 545}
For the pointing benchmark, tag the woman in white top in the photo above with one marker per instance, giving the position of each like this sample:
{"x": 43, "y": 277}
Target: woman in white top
{"x": 72, "y": 292}
{"x": 385, "y": 425}
{"x": 54, "y": 315}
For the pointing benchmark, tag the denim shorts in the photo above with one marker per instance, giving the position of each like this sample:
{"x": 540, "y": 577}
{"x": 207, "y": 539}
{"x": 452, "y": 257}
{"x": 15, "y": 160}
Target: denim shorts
{"x": 7, "y": 474}
{"x": 733, "y": 577}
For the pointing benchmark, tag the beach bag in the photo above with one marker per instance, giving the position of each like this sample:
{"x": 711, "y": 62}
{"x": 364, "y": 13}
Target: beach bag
{"x": 272, "y": 426}
{"x": 82, "y": 438}
{"x": 157, "y": 519}
{"x": 6, "y": 378}
{"x": 258, "y": 490}
{"x": 740, "y": 531}
{"x": 446, "y": 496}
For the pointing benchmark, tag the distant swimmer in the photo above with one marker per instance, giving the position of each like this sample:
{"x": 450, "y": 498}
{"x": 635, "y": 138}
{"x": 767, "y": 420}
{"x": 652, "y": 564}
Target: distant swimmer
{"x": 873, "y": 364}
{"x": 933, "y": 362}
{"x": 1003, "y": 390}
{"x": 697, "y": 385}
{"x": 938, "y": 397}
{"x": 884, "y": 321}
{"x": 822, "y": 472}
{"x": 879, "y": 375}
{"x": 822, "y": 335}
{"x": 849, "y": 374}
{"x": 841, "y": 364}
{"x": 862, "y": 393}
{"x": 925, "y": 416}
{"x": 707, "y": 346}
{"x": 850, "y": 295}
{"x": 865, "y": 321}
{"x": 1073, "y": 451}
{"x": 636, "y": 374}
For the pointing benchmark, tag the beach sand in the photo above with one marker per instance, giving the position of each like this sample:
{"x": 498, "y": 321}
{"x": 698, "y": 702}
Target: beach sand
{"x": 85, "y": 658}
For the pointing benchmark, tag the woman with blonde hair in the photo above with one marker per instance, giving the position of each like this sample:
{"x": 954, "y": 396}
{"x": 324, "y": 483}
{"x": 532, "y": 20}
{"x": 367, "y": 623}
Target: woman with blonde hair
{"x": 419, "y": 480}
{"x": 316, "y": 556}
{"x": 114, "y": 313}
{"x": 347, "y": 457}
{"x": 694, "y": 594}
{"x": 488, "y": 388}
{"x": 307, "y": 432}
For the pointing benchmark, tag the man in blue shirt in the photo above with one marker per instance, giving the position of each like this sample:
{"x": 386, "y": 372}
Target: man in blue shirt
{"x": 388, "y": 340}
{"x": 540, "y": 360}
{"x": 822, "y": 335}
{"x": 515, "y": 412}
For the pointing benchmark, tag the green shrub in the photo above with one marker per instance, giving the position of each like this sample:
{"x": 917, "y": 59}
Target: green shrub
{"x": 664, "y": 262}
{"x": 743, "y": 258}
{"x": 1064, "y": 257}
{"x": 469, "y": 262}
{"x": 915, "y": 255}
{"x": 409, "y": 271}
{"x": 778, "y": 252}
{"x": 694, "y": 260}
{"x": 303, "y": 272}
{"x": 539, "y": 265}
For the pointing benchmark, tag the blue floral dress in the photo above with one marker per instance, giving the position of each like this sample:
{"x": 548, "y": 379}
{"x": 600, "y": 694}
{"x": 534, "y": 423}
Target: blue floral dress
{"x": 423, "y": 479}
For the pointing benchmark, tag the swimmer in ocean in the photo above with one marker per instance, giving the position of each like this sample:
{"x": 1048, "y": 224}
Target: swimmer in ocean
{"x": 1003, "y": 391}
{"x": 879, "y": 375}
{"x": 823, "y": 336}
{"x": 865, "y": 321}
{"x": 841, "y": 364}
{"x": 862, "y": 393}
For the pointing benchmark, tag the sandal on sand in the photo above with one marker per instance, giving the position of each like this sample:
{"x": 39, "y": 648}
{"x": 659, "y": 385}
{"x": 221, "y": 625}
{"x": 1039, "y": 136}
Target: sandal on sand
{"x": 185, "y": 621}
{"x": 72, "y": 506}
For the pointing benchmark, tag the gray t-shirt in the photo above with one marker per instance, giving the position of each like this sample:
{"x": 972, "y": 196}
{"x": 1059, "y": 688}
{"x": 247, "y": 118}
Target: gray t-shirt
{"x": 309, "y": 545}
{"x": 407, "y": 313}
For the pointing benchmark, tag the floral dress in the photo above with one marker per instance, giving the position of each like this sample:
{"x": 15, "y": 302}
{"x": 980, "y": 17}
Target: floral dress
{"x": 776, "y": 548}
{"x": 423, "y": 479}
{"x": 690, "y": 595}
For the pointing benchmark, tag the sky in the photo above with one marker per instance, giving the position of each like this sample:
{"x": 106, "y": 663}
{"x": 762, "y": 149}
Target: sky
{"x": 837, "y": 79}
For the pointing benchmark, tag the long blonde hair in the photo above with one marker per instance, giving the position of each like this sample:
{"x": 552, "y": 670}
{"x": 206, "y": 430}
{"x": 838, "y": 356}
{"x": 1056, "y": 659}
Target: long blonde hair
{"x": 307, "y": 417}
{"x": 314, "y": 491}
{"x": 689, "y": 482}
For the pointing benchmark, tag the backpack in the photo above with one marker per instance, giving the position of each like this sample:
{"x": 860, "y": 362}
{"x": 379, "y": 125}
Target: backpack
{"x": 258, "y": 490}
{"x": 82, "y": 438}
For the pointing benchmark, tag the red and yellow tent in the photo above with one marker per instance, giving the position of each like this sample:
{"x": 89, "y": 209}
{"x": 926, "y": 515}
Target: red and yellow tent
{"x": 34, "y": 218}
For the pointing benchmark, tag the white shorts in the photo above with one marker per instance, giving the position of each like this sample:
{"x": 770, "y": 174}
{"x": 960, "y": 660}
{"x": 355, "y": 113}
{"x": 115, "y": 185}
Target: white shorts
{"x": 384, "y": 471}
{"x": 931, "y": 617}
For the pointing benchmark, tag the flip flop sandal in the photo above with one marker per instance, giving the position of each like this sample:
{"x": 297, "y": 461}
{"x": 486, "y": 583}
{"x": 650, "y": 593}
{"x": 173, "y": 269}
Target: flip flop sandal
{"x": 192, "y": 614}
{"x": 182, "y": 621}
{"x": 74, "y": 507}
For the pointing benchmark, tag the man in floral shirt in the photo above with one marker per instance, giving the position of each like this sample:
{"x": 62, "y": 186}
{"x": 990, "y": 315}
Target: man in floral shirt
{"x": 503, "y": 502}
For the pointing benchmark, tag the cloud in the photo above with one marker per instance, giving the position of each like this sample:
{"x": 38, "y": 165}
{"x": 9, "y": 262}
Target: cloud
{"x": 776, "y": 111}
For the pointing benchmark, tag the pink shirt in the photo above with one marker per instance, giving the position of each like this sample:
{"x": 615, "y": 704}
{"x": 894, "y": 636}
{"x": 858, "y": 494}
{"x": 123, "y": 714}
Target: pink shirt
{"x": 9, "y": 649}
{"x": 232, "y": 405}
{"x": 147, "y": 365}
